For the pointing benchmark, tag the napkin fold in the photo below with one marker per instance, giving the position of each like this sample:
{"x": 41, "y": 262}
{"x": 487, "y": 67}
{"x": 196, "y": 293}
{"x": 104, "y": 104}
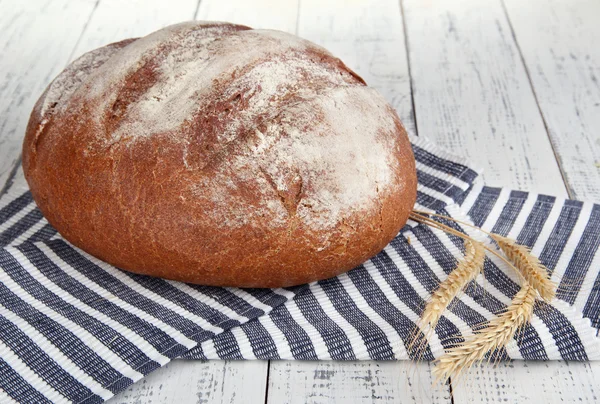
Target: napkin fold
{"x": 75, "y": 329}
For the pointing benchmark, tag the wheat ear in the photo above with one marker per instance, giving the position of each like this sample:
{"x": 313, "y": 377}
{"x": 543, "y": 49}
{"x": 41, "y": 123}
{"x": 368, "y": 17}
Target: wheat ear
{"x": 528, "y": 265}
{"x": 496, "y": 334}
{"x": 466, "y": 270}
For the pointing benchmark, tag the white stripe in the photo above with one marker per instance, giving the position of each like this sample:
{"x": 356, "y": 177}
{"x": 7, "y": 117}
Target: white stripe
{"x": 86, "y": 337}
{"x": 314, "y": 335}
{"x": 358, "y": 346}
{"x": 589, "y": 281}
{"x": 172, "y": 332}
{"x": 284, "y": 292}
{"x": 519, "y": 222}
{"x": 472, "y": 197}
{"x": 571, "y": 244}
{"x": 155, "y": 297}
{"x": 435, "y": 344}
{"x": 243, "y": 343}
{"x": 442, "y": 175}
{"x": 494, "y": 214}
{"x": 251, "y": 300}
{"x": 539, "y": 326}
{"x": 209, "y": 351}
{"x": 463, "y": 327}
{"x": 131, "y": 335}
{"x": 393, "y": 337}
{"x": 209, "y": 301}
{"x": 435, "y": 194}
{"x": 583, "y": 325}
{"x": 549, "y": 224}
{"x": 30, "y": 232}
{"x": 30, "y": 376}
{"x": 5, "y": 398}
{"x": 59, "y": 358}
{"x": 281, "y": 343}
{"x": 17, "y": 216}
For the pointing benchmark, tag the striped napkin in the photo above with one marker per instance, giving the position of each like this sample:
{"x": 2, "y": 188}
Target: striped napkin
{"x": 75, "y": 329}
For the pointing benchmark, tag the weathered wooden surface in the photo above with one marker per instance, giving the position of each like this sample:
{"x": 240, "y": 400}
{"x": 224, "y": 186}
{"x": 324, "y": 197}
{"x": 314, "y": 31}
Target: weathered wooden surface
{"x": 507, "y": 85}
{"x": 198, "y": 382}
{"x": 560, "y": 44}
{"x": 37, "y": 40}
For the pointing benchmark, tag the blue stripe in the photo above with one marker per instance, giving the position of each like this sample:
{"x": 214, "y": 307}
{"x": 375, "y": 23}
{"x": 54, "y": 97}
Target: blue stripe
{"x": 438, "y": 184}
{"x": 560, "y": 234}
{"x": 15, "y": 206}
{"x": 185, "y": 301}
{"x": 475, "y": 291}
{"x": 374, "y": 338}
{"x": 268, "y": 297}
{"x": 509, "y": 213}
{"x": 45, "y": 233}
{"x": 483, "y": 205}
{"x": 70, "y": 345}
{"x": 226, "y": 346}
{"x": 591, "y": 309}
{"x": 17, "y": 388}
{"x": 449, "y": 167}
{"x": 41, "y": 363}
{"x": 536, "y": 220}
{"x": 390, "y": 313}
{"x": 121, "y": 346}
{"x": 20, "y": 227}
{"x": 125, "y": 293}
{"x": 261, "y": 341}
{"x": 579, "y": 265}
{"x": 429, "y": 201}
{"x": 335, "y": 339}
{"x": 230, "y": 300}
{"x": 156, "y": 337}
{"x": 300, "y": 343}
{"x": 447, "y": 331}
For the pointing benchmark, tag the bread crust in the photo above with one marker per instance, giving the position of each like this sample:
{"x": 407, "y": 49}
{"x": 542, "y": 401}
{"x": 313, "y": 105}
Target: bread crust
{"x": 215, "y": 154}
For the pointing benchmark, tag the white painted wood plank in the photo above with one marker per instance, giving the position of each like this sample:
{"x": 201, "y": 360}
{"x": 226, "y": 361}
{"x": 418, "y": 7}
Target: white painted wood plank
{"x": 114, "y": 20}
{"x": 472, "y": 95}
{"x": 187, "y": 382}
{"x": 37, "y": 39}
{"x": 353, "y": 382}
{"x": 263, "y": 14}
{"x": 560, "y": 44}
{"x": 531, "y": 382}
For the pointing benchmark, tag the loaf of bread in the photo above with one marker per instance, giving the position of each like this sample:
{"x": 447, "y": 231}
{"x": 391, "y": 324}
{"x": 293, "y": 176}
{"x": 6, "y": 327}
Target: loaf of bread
{"x": 216, "y": 154}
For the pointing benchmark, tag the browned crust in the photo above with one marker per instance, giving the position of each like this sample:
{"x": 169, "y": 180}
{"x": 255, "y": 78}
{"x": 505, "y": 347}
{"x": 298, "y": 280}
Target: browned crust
{"x": 128, "y": 205}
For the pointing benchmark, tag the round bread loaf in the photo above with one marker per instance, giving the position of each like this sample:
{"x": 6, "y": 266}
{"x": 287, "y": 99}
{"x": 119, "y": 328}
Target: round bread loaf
{"x": 216, "y": 154}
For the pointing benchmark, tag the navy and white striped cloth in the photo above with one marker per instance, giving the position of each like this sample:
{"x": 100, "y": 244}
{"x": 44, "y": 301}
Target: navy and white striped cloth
{"x": 75, "y": 329}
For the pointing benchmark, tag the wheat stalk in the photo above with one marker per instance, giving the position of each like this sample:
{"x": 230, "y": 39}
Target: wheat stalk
{"x": 529, "y": 265}
{"x": 466, "y": 270}
{"x": 496, "y": 334}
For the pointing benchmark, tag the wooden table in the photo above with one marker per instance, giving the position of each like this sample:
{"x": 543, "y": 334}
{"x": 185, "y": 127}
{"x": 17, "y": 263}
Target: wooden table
{"x": 512, "y": 85}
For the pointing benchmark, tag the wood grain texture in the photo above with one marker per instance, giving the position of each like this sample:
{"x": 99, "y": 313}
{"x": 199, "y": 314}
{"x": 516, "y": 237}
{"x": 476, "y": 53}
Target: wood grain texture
{"x": 264, "y": 14}
{"x": 560, "y": 44}
{"x": 531, "y": 382}
{"x": 199, "y": 382}
{"x": 114, "y": 20}
{"x": 37, "y": 40}
{"x": 472, "y": 95}
{"x": 353, "y": 382}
